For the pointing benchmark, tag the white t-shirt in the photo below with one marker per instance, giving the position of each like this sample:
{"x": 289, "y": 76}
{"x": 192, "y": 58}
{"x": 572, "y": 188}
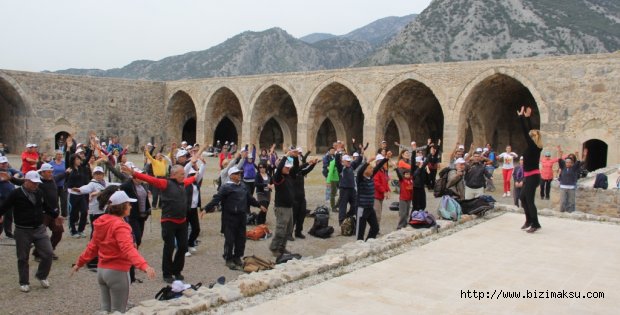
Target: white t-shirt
{"x": 508, "y": 158}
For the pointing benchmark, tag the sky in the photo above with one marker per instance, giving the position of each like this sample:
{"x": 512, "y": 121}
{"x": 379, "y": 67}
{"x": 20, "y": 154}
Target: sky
{"x": 52, "y": 35}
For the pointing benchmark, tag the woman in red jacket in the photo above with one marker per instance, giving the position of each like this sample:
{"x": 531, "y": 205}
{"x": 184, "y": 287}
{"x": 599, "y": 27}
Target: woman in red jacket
{"x": 113, "y": 243}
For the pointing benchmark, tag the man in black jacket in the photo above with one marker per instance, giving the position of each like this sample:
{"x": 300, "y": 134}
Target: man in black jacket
{"x": 29, "y": 229}
{"x": 284, "y": 181}
{"x": 299, "y": 203}
{"x": 234, "y": 198}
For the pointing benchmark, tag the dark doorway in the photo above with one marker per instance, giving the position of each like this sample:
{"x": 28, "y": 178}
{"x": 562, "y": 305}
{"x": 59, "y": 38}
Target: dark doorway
{"x": 60, "y": 139}
{"x": 326, "y": 136}
{"x": 392, "y": 135}
{"x": 189, "y": 131}
{"x": 225, "y": 131}
{"x": 597, "y": 154}
{"x": 272, "y": 133}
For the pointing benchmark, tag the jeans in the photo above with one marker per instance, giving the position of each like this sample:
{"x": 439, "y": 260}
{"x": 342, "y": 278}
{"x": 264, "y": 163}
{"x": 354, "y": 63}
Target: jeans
{"x": 527, "y": 200}
{"x": 24, "y": 238}
{"x": 567, "y": 200}
{"x": 490, "y": 185}
{"x": 173, "y": 233}
{"x": 284, "y": 228}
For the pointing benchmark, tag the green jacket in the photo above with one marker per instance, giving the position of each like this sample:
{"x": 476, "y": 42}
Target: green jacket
{"x": 332, "y": 174}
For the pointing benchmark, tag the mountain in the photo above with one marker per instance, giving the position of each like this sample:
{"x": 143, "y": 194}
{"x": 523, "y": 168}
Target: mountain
{"x": 376, "y": 33}
{"x": 270, "y": 51}
{"x": 316, "y": 37}
{"x": 455, "y": 30}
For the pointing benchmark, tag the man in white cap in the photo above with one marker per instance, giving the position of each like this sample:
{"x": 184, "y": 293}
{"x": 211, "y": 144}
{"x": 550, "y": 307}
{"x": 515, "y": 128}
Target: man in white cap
{"x": 346, "y": 167}
{"x": 284, "y": 181}
{"x": 29, "y": 229}
{"x": 174, "y": 205}
{"x": 455, "y": 182}
{"x": 234, "y": 199}
{"x": 30, "y": 157}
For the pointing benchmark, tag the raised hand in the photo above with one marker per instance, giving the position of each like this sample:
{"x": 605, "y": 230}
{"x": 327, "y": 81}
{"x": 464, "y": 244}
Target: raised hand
{"x": 521, "y": 111}
{"x": 528, "y": 112}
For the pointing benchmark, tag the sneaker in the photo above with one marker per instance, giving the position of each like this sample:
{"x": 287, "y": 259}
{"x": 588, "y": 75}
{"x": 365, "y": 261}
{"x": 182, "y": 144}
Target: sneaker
{"x": 82, "y": 235}
{"x": 75, "y": 235}
{"x": 188, "y": 254}
{"x": 24, "y": 288}
{"x": 238, "y": 262}
{"x": 300, "y": 235}
{"x": 504, "y": 195}
{"x": 192, "y": 249}
{"x": 231, "y": 265}
{"x": 168, "y": 279}
{"x": 508, "y": 194}
{"x": 45, "y": 283}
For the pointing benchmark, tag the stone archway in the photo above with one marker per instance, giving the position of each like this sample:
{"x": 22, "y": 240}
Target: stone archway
{"x": 338, "y": 103}
{"x": 326, "y": 136}
{"x": 13, "y": 115}
{"x": 274, "y": 118}
{"x": 597, "y": 154}
{"x": 489, "y": 113}
{"x": 182, "y": 118}
{"x": 409, "y": 111}
{"x": 60, "y": 138}
{"x": 223, "y": 117}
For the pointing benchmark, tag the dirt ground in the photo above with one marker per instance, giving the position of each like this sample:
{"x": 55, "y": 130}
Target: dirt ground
{"x": 80, "y": 294}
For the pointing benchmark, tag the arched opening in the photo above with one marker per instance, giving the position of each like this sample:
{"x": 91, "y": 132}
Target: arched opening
{"x": 489, "y": 114}
{"x": 271, "y": 134}
{"x": 189, "y": 131}
{"x": 13, "y": 113}
{"x": 226, "y": 131}
{"x": 59, "y": 139}
{"x": 392, "y": 135}
{"x": 343, "y": 108}
{"x": 417, "y": 106}
{"x": 597, "y": 154}
{"x": 223, "y": 117}
{"x": 326, "y": 136}
{"x": 182, "y": 113}
{"x": 274, "y": 114}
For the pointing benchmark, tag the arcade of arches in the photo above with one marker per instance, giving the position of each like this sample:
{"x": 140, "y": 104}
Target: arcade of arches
{"x": 489, "y": 114}
{"x": 274, "y": 119}
{"x": 223, "y": 117}
{"x": 13, "y": 115}
{"x": 182, "y": 113}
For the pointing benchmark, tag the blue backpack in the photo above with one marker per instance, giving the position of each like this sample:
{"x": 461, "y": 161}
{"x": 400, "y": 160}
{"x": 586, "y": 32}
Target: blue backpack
{"x": 421, "y": 219}
{"x": 449, "y": 209}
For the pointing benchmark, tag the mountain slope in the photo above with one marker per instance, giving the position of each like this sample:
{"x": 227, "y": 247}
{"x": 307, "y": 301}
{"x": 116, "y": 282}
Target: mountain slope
{"x": 454, "y": 30}
{"x": 316, "y": 37}
{"x": 380, "y": 31}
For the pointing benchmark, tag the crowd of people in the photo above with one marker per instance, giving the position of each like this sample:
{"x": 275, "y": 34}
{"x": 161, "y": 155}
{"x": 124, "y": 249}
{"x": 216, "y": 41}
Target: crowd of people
{"x": 94, "y": 183}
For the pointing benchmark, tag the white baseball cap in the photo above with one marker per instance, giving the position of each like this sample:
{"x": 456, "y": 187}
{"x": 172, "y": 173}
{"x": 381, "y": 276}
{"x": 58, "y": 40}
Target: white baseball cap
{"x": 79, "y": 151}
{"x": 184, "y": 142}
{"x": 79, "y": 144}
{"x": 34, "y": 145}
{"x": 300, "y": 150}
{"x": 478, "y": 149}
{"x": 234, "y": 170}
{"x": 347, "y": 158}
{"x": 45, "y": 167}
{"x": 412, "y": 142}
{"x": 461, "y": 146}
{"x": 120, "y": 197}
{"x": 485, "y": 150}
{"x": 459, "y": 161}
{"x": 33, "y": 176}
{"x": 188, "y": 147}
{"x": 355, "y": 154}
{"x": 3, "y": 159}
{"x": 97, "y": 169}
{"x": 149, "y": 144}
{"x": 181, "y": 153}
{"x": 419, "y": 159}
{"x": 29, "y": 145}
{"x": 379, "y": 157}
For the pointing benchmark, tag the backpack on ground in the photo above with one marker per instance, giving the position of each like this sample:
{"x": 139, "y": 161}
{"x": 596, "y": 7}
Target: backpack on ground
{"x": 176, "y": 290}
{"x": 395, "y": 206}
{"x": 254, "y": 264}
{"x": 441, "y": 185}
{"x": 601, "y": 181}
{"x": 320, "y": 228}
{"x": 421, "y": 219}
{"x": 252, "y": 218}
{"x": 449, "y": 209}
{"x": 347, "y": 228}
{"x": 322, "y": 232}
{"x": 477, "y": 206}
{"x": 258, "y": 232}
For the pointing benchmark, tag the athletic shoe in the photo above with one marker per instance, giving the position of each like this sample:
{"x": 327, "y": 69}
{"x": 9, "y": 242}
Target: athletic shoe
{"x": 75, "y": 235}
{"x": 192, "y": 249}
{"x": 504, "y": 195}
{"x": 188, "y": 254}
{"x": 45, "y": 283}
{"x": 24, "y": 288}
{"x": 508, "y": 194}
{"x": 300, "y": 235}
{"x": 231, "y": 265}
{"x": 82, "y": 235}
{"x": 238, "y": 262}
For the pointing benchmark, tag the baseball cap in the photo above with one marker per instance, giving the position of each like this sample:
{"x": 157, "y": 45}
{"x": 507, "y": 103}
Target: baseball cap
{"x": 184, "y": 142}
{"x": 347, "y": 158}
{"x": 189, "y": 147}
{"x": 412, "y": 142}
{"x": 419, "y": 159}
{"x": 355, "y": 154}
{"x": 45, "y": 167}
{"x": 300, "y": 150}
{"x": 521, "y": 158}
{"x": 79, "y": 144}
{"x": 233, "y": 170}
{"x": 149, "y": 144}
{"x": 461, "y": 147}
{"x": 459, "y": 161}
{"x": 379, "y": 157}
{"x": 485, "y": 150}
{"x": 120, "y": 197}
{"x": 79, "y": 151}
{"x": 29, "y": 145}
{"x": 3, "y": 159}
{"x": 383, "y": 141}
{"x": 547, "y": 153}
{"x": 33, "y": 176}
{"x": 97, "y": 169}
{"x": 181, "y": 153}
{"x": 478, "y": 149}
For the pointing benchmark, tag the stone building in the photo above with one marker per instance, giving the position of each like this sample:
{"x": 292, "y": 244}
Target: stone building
{"x": 576, "y": 101}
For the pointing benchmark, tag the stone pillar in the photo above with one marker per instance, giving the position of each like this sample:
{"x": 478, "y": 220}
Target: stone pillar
{"x": 246, "y": 136}
{"x": 302, "y": 137}
{"x": 450, "y": 138}
{"x": 200, "y": 133}
{"x": 370, "y": 130}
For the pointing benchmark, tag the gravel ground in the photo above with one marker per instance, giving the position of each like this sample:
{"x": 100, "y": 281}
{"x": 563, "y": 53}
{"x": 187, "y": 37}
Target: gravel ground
{"x": 80, "y": 294}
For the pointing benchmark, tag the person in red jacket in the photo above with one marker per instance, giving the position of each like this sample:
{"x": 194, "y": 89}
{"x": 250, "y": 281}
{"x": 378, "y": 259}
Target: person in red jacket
{"x": 382, "y": 188}
{"x": 113, "y": 243}
{"x": 406, "y": 196}
{"x": 30, "y": 157}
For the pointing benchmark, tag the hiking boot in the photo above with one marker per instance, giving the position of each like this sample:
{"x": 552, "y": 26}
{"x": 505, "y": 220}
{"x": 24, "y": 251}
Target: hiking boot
{"x": 168, "y": 279}
{"x": 24, "y": 288}
{"x": 238, "y": 261}
{"x": 300, "y": 235}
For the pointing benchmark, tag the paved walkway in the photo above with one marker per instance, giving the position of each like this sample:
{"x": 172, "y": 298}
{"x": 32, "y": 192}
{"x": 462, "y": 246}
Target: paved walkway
{"x": 495, "y": 255}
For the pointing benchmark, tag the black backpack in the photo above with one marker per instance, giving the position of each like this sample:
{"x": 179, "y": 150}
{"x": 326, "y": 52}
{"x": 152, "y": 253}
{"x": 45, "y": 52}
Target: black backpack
{"x": 320, "y": 227}
{"x": 601, "y": 181}
{"x": 441, "y": 184}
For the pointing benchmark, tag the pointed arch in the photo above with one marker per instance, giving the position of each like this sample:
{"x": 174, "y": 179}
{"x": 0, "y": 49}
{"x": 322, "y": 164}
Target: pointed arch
{"x": 15, "y": 108}
{"x": 181, "y": 110}
{"x": 223, "y": 103}
{"x": 274, "y": 102}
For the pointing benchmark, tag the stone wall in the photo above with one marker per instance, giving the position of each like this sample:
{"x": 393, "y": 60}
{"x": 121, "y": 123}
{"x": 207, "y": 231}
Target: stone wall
{"x": 596, "y": 201}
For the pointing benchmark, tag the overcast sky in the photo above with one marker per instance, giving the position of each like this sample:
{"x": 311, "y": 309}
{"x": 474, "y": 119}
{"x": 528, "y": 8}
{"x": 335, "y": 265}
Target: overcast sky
{"x": 59, "y": 34}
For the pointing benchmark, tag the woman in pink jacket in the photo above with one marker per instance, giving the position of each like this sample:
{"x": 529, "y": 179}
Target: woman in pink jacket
{"x": 113, "y": 243}
{"x": 546, "y": 174}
